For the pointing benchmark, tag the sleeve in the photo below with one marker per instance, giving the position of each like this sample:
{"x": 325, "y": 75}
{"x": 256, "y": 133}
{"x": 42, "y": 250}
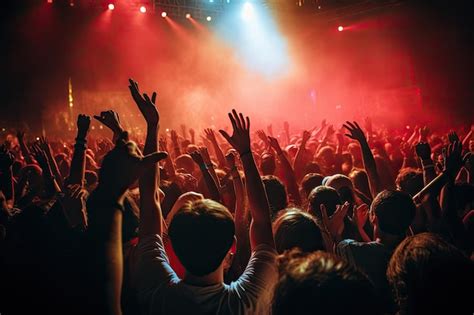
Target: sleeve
{"x": 345, "y": 250}
{"x": 255, "y": 285}
{"x": 152, "y": 268}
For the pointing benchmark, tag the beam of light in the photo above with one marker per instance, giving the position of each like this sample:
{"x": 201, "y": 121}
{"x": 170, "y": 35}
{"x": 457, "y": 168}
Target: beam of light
{"x": 163, "y": 14}
{"x": 340, "y": 28}
{"x": 188, "y": 15}
{"x": 255, "y": 37}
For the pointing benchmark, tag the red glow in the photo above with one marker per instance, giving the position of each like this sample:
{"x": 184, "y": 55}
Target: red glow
{"x": 340, "y": 28}
{"x": 50, "y": 1}
{"x": 111, "y": 6}
{"x": 143, "y": 9}
{"x": 163, "y": 14}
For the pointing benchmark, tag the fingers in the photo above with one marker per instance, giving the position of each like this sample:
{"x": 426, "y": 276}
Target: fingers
{"x": 324, "y": 214}
{"x": 225, "y": 135}
{"x": 237, "y": 119}
{"x": 153, "y": 97}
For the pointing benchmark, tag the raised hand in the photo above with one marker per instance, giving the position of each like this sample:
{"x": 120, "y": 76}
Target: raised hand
{"x": 335, "y": 223}
{"x": 39, "y": 154}
{"x": 453, "y": 137}
{"x": 174, "y": 137}
{"x": 209, "y": 133}
{"x": 323, "y": 124}
{"x": 275, "y": 145}
{"x": 83, "y": 123}
{"x": 355, "y": 132}
{"x": 424, "y": 133}
{"x": 6, "y": 158}
{"x": 21, "y": 136}
{"x": 270, "y": 130}
{"x": 423, "y": 151}
{"x": 74, "y": 205}
{"x": 360, "y": 215}
{"x": 240, "y": 139}
{"x": 122, "y": 166}
{"x": 145, "y": 104}
{"x": 330, "y": 131}
{"x": 163, "y": 142}
{"x": 111, "y": 120}
{"x": 205, "y": 155}
{"x": 197, "y": 158}
{"x": 406, "y": 149}
{"x": 453, "y": 160}
{"x": 305, "y": 136}
{"x": 261, "y": 134}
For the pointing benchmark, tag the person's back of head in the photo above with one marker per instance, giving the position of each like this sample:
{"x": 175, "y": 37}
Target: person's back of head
{"x": 184, "y": 161}
{"x": 409, "y": 180}
{"x": 312, "y": 167}
{"x": 393, "y": 212}
{"x": 430, "y": 276}
{"x": 295, "y": 228}
{"x": 322, "y": 283}
{"x": 267, "y": 164}
{"x": 344, "y": 187}
{"x": 327, "y": 196}
{"x": 202, "y": 233}
{"x": 309, "y": 182}
{"x": 276, "y": 194}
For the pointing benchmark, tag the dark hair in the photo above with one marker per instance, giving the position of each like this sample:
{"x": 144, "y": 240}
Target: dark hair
{"x": 320, "y": 282}
{"x": 410, "y": 180}
{"x": 312, "y": 167}
{"x": 395, "y": 211}
{"x": 202, "y": 233}
{"x": 323, "y": 195}
{"x": 276, "y": 193}
{"x": 361, "y": 181}
{"x": 172, "y": 192}
{"x": 295, "y": 228}
{"x": 185, "y": 162}
{"x": 309, "y": 182}
{"x": 267, "y": 164}
{"x": 430, "y": 276}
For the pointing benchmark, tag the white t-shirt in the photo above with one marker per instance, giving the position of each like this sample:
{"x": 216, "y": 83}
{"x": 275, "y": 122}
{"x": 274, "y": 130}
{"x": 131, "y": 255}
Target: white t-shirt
{"x": 160, "y": 291}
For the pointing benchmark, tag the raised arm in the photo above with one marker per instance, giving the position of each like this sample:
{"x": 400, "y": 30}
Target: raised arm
{"x": 206, "y": 175}
{"x": 217, "y": 149}
{"x": 423, "y": 151}
{"x": 24, "y": 149}
{"x": 288, "y": 173}
{"x": 44, "y": 145}
{"x": 78, "y": 163}
{"x": 120, "y": 169}
{"x": 261, "y": 227}
{"x": 51, "y": 185}
{"x": 169, "y": 165}
{"x": 112, "y": 121}
{"x": 6, "y": 175}
{"x": 356, "y": 133}
{"x": 151, "y": 218}
{"x": 299, "y": 163}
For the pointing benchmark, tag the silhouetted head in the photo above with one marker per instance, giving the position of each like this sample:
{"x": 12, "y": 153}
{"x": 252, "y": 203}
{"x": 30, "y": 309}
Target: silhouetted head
{"x": 327, "y": 196}
{"x": 321, "y": 283}
{"x": 410, "y": 180}
{"x": 202, "y": 233}
{"x": 309, "y": 182}
{"x": 295, "y": 228}
{"x": 276, "y": 193}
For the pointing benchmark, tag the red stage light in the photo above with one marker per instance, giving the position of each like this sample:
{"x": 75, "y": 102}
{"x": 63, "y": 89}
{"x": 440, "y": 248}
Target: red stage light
{"x": 143, "y": 9}
{"x": 340, "y": 28}
{"x": 111, "y": 6}
{"x": 188, "y": 16}
{"x": 50, "y": 1}
{"x": 163, "y": 14}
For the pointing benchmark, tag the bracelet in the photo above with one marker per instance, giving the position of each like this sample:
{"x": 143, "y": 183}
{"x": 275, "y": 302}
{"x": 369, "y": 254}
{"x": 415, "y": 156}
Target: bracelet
{"x": 245, "y": 153}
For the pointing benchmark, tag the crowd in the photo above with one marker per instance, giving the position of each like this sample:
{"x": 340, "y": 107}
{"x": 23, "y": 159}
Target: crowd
{"x": 331, "y": 220}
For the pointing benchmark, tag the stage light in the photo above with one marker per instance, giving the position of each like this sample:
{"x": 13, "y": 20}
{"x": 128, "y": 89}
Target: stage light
{"x": 188, "y": 15}
{"x": 111, "y": 6}
{"x": 50, "y": 1}
{"x": 247, "y": 11}
{"x": 211, "y": 1}
{"x": 340, "y": 28}
{"x": 143, "y": 9}
{"x": 163, "y": 14}
{"x": 209, "y": 19}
